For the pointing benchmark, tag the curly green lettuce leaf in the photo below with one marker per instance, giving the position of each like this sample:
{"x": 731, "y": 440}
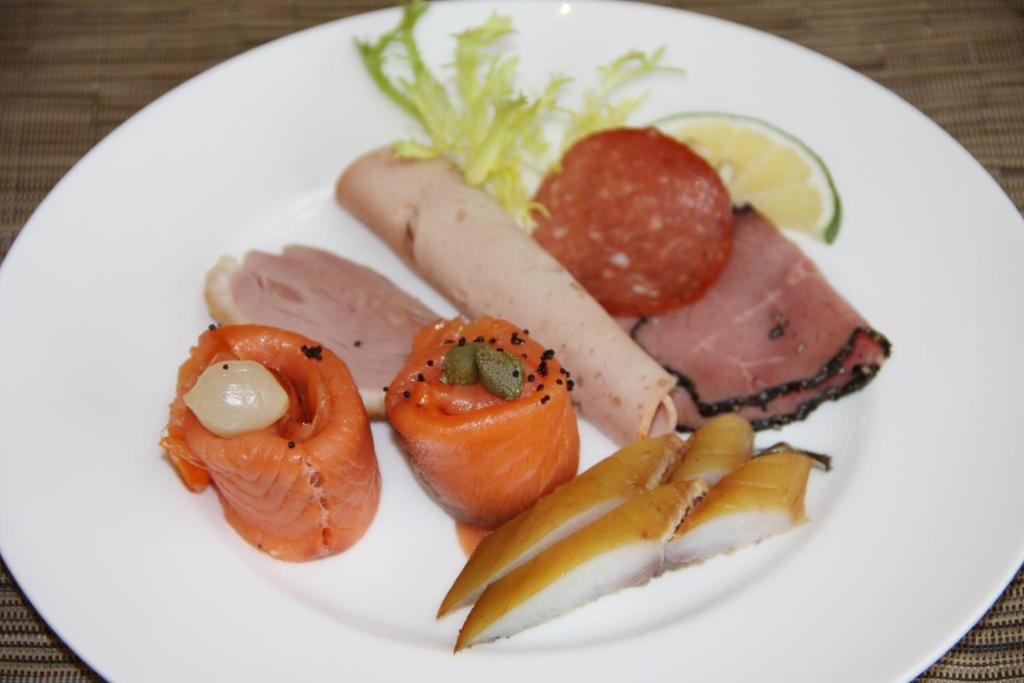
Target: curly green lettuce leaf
{"x": 490, "y": 129}
{"x": 598, "y": 111}
{"x": 375, "y": 55}
{"x": 487, "y": 128}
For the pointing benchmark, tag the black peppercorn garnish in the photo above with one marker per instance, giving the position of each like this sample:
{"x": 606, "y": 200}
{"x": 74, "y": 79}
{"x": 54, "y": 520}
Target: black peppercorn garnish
{"x": 516, "y": 339}
{"x": 542, "y": 369}
{"x": 225, "y": 366}
{"x": 462, "y": 341}
{"x": 211, "y": 327}
{"x": 430, "y": 363}
{"x": 291, "y": 444}
{"x": 570, "y": 385}
{"x": 558, "y": 382}
{"x": 385, "y": 390}
{"x": 548, "y": 354}
{"x": 540, "y": 387}
{"x": 313, "y": 352}
{"x": 479, "y": 339}
{"x": 358, "y": 343}
{"x": 529, "y": 378}
{"x": 545, "y": 399}
{"x": 406, "y": 394}
{"x": 492, "y": 340}
{"x": 420, "y": 377}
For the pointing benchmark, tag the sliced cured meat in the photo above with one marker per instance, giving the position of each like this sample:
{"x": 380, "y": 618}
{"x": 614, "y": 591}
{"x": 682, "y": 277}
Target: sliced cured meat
{"x": 355, "y": 312}
{"x": 762, "y": 497}
{"x": 623, "y": 548}
{"x": 306, "y": 486}
{"x": 635, "y": 469}
{"x": 471, "y": 249}
{"x": 770, "y": 340}
{"x": 484, "y": 458}
{"x": 640, "y": 220}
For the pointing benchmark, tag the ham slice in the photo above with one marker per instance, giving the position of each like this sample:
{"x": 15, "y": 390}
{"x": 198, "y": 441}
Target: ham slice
{"x": 358, "y": 314}
{"x": 467, "y": 246}
{"x": 771, "y": 339}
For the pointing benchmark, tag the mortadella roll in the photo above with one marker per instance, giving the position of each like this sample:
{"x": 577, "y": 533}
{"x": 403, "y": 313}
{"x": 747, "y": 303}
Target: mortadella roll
{"x": 462, "y": 242}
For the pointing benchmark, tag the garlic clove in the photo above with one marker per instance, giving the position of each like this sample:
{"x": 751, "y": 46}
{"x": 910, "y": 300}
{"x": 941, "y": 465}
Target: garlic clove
{"x": 237, "y": 397}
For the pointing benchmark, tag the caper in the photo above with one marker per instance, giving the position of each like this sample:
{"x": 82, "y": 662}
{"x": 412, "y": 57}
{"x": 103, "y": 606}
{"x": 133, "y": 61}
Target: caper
{"x": 459, "y": 365}
{"x": 501, "y": 373}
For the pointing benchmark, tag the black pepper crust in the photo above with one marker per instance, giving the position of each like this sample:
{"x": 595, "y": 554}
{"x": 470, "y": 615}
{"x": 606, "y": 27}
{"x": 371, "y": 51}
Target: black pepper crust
{"x": 860, "y": 376}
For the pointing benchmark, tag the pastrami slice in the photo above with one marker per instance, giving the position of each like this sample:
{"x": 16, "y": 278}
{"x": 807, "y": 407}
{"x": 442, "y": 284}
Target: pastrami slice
{"x": 770, "y": 340}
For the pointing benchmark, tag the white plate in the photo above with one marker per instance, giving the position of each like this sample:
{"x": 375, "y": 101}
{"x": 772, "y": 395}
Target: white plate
{"x": 912, "y": 536}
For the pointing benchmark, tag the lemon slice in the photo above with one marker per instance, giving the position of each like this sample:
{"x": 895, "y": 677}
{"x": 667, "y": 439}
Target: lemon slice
{"x": 765, "y": 167}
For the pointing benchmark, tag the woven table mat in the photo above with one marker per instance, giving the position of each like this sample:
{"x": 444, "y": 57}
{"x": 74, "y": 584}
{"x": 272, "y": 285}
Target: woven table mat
{"x": 70, "y": 72}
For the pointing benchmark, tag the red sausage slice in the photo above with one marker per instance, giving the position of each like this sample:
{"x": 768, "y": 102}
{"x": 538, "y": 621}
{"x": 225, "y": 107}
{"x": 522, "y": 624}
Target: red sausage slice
{"x": 640, "y": 220}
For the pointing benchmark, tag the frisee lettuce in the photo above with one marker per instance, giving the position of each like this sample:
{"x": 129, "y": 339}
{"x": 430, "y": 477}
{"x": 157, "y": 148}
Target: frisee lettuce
{"x": 598, "y": 113}
{"x": 490, "y": 130}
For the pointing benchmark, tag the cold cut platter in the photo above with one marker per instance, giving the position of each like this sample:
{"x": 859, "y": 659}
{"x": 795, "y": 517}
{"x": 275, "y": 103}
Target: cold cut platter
{"x": 620, "y": 376}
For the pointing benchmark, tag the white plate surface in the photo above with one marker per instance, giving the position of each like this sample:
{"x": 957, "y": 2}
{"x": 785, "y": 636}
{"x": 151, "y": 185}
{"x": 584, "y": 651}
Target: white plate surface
{"x": 912, "y": 536}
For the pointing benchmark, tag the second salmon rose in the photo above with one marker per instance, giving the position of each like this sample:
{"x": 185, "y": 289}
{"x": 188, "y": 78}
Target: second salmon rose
{"x": 484, "y": 416}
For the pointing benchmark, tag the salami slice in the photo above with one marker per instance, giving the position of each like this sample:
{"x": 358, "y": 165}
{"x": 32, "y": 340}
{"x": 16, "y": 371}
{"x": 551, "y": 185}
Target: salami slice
{"x": 640, "y": 220}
